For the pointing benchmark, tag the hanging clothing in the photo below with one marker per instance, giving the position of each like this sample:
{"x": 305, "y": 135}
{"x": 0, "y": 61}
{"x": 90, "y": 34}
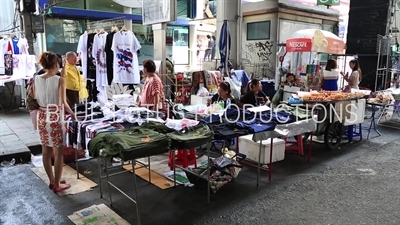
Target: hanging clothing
{"x": 3, "y": 50}
{"x": 82, "y": 50}
{"x": 19, "y": 66}
{"x": 126, "y": 66}
{"x": 83, "y": 93}
{"x": 23, "y": 46}
{"x": 51, "y": 130}
{"x": 30, "y": 65}
{"x": 8, "y": 59}
{"x": 91, "y": 67}
{"x": 99, "y": 44}
{"x": 110, "y": 57}
{"x": 15, "y": 47}
{"x": 92, "y": 91}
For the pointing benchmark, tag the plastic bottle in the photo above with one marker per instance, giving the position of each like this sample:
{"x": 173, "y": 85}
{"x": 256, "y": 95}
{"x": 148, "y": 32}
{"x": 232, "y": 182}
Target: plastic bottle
{"x": 222, "y": 104}
{"x": 6, "y": 163}
{"x": 228, "y": 102}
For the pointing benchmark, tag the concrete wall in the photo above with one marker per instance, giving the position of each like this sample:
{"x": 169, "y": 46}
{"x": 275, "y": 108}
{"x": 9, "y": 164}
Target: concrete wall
{"x": 259, "y": 56}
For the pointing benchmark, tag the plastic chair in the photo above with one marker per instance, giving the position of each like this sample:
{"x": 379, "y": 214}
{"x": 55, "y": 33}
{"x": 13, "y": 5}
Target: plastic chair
{"x": 183, "y": 157}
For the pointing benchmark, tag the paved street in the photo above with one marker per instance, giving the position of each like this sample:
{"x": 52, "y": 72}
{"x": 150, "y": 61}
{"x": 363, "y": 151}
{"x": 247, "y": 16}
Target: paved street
{"x": 358, "y": 184}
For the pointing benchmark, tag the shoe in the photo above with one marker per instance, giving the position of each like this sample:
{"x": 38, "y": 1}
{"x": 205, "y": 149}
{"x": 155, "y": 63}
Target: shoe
{"x": 59, "y": 189}
{"x": 51, "y": 186}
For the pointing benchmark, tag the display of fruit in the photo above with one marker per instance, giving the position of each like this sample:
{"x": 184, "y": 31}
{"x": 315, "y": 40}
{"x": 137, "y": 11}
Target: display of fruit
{"x": 330, "y": 96}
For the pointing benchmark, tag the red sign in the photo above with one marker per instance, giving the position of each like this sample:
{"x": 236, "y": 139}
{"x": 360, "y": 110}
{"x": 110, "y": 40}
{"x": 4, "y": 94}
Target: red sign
{"x": 299, "y": 45}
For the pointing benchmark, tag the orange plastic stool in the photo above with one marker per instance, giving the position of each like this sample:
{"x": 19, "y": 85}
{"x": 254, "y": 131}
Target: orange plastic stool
{"x": 184, "y": 158}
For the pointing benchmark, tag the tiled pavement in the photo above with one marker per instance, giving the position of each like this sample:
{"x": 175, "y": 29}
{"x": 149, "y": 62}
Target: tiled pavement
{"x": 16, "y": 135}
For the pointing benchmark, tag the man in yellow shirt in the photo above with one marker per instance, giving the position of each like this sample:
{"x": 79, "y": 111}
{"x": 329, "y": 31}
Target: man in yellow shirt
{"x": 72, "y": 77}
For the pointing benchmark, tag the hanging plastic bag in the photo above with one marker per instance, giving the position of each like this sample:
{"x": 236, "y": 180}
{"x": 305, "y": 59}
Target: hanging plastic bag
{"x": 203, "y": 92}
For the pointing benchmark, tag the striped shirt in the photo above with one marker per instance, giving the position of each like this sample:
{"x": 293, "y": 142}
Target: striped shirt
{"x": 151, "y": 88}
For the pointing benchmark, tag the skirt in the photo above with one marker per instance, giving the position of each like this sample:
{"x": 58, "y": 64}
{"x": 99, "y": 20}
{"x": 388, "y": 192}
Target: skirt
{"x": 52, "y": 127}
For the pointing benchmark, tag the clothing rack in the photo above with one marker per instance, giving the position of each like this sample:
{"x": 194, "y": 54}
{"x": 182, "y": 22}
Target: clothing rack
{"x": 106, "y": 24}
{"x": 12, "y": 33}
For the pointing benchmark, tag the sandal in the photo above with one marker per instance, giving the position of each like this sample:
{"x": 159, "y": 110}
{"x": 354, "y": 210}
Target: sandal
{"x": 51, "y": 186}
{"x": 59, "y": 189}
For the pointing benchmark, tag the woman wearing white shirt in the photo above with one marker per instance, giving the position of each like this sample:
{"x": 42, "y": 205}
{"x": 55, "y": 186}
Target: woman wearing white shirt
{"x": 355, "y": 77}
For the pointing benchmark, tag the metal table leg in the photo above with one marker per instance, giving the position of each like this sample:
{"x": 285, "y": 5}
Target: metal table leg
{"x": 11, "y": 90}
{"x": 259, "y": 163}
{"x": 271, "y": 148}
{"x": 310, "y": 148}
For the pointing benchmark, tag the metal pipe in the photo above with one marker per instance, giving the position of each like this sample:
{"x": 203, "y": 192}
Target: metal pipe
{"x": 239, "y": 35}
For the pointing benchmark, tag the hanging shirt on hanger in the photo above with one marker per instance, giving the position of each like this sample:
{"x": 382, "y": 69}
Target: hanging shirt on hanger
{"x": 110, "y": 57}
{"x": 30, "y": 65}
{"x": 23, "y": 46}
{"x": 19, "y": 66}
{"x": 100, "y": 56}
{"x": 82, "y": 50}
{"x": 91, "y": 67}
{"x": 15, "y": 45}
{"x": 8, "y": 59}
{"x": 126, "y": 65}
{"x": 3, "y": 50}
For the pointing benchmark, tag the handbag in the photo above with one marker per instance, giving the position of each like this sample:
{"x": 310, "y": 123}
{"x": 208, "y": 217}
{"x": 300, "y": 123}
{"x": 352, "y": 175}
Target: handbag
{"x": 31, "y": 102}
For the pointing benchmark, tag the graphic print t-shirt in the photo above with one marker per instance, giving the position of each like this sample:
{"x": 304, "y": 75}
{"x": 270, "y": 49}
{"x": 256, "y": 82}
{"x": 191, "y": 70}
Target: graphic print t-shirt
{"x": 19, "y": 66}
{"x": 8, "y": 59}
{"x": 100, "y": 56}
{"x": 126, "y": 65}
{"x": 23, "y": 46}
{"x": 82, "y": 51}
{"x": 91, "y": 67}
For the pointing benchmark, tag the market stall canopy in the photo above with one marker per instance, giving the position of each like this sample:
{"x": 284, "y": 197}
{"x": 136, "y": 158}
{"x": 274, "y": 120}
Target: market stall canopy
{"x": 314, "y": 40}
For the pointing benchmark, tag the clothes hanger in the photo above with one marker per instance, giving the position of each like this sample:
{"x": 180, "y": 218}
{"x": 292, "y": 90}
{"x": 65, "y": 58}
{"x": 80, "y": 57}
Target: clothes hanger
{"x": 90, "y": 31}
{"x": 102, "y": 31}
{"x": 124, "y": 28}
{"x": 114, "y": 29}
{"x": 95, "y": 31}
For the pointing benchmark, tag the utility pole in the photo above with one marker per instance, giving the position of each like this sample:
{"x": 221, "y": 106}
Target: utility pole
{"x": 25, "y": 12}
{"x": 26, "y": 24}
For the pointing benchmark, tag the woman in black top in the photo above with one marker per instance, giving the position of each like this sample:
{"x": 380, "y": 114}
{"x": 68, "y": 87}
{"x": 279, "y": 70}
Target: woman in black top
{"x": 224, "y": 93}
{"x": 254, "y": 96}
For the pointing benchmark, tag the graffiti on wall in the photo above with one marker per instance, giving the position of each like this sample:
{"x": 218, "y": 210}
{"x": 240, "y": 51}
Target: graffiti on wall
{"x": 259, "y": 56}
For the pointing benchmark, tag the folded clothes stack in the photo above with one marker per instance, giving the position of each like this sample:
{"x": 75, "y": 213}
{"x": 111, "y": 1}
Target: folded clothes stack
{"x": 124, "y": 100}
{"x": 191, "y": 137}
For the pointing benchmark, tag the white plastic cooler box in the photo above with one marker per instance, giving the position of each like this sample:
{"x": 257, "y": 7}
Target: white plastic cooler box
{"x": 251, "y": 149}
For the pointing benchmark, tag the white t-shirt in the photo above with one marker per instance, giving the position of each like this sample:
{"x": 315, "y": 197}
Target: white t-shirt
{"x": 23, "y": 46}
{"x": 30, "y": 65}
{"x": 82, "y": 51}
{"x": 356, "y": 76}
{"x": 19, "y": 66}
{"x": 126, "y": 65}
{"x": 3, "y": 50}
{"x": 99, "y": 43}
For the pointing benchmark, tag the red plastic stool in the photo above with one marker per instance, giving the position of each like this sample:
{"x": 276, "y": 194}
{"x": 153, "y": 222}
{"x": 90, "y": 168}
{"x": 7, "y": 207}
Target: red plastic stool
{"x": 184, "y": 158}
{"x": 295, "y": 146}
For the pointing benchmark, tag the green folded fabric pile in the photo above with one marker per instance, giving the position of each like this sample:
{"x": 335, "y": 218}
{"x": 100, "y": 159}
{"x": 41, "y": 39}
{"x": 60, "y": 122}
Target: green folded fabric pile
{"x": 191, "y": 137}
{"x": 132, "y": 143}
